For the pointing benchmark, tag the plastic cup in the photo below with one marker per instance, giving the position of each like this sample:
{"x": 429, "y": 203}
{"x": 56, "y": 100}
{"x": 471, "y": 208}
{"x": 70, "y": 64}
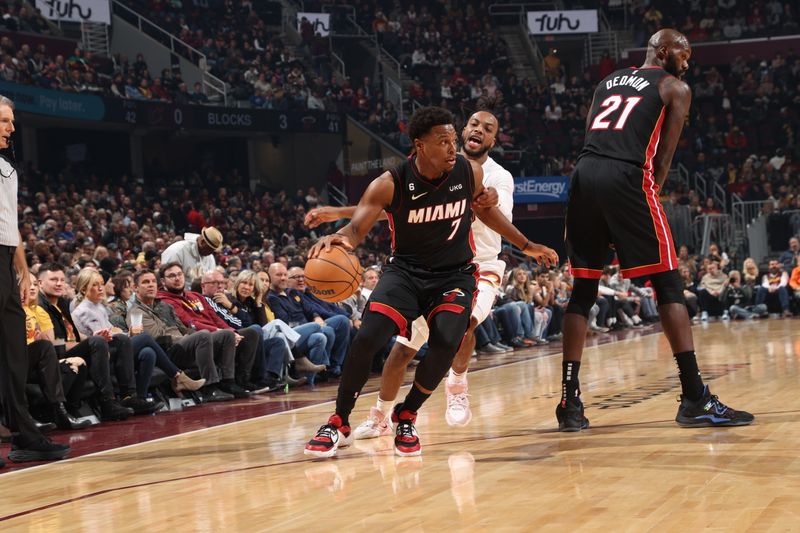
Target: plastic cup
{"x": 136, "y": 319}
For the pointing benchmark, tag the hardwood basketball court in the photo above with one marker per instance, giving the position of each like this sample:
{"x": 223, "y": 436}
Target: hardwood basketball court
{"x": 633, "y": 470}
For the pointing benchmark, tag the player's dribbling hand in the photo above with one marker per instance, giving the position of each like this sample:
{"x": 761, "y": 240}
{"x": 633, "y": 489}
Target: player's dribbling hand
{"x": 325, "y": 243}
{"x": 488, "y": 198}
{"x": 541, "y": 253}
{"x": 319, "y": 215}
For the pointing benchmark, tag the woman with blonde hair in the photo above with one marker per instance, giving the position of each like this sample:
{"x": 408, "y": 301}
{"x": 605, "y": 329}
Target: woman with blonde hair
{"x": 91, "y": 317}
{"x": 520, "y": 291}
{"x": 750, "y": 275}
{"x": 249, "y": 299}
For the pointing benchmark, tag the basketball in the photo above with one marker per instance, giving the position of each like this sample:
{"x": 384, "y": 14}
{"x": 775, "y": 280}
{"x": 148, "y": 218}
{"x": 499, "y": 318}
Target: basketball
{"x": 334, "y": 275}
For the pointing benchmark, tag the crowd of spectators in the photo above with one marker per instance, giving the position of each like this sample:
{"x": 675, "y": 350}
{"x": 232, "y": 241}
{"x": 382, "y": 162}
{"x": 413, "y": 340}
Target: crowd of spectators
{"x": 226, "y": 315}
{"x": 742, "y": 132}
{"x": 16, "y": 15}
{"x": 714, "y": 289}
{"x": 711, "y": 20}
{"x": 85, "y": 73}
{"x": 541, "y": 123}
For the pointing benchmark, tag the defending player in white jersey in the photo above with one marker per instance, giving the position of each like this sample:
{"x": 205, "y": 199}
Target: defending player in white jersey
{"x": 478, "y": 137}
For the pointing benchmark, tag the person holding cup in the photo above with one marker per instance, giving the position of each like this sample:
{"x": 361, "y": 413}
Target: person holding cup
{"x": 91, "y": 317}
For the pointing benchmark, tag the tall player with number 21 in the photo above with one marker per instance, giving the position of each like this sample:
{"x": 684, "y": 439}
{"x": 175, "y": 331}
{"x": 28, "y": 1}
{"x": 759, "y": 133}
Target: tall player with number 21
{"x": 632, "y": 131}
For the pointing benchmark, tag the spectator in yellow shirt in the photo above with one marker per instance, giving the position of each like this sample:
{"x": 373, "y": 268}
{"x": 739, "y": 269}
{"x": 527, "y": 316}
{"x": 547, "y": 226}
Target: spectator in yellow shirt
{"x": 61, "y": 381}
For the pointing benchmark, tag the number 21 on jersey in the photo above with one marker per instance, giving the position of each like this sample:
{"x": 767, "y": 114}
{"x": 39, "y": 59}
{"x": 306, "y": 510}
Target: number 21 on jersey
{"x": 611, "y": 104}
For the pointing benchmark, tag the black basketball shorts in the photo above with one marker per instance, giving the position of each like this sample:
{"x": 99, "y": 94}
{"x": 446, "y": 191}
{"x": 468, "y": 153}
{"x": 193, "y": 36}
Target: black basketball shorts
{"x": 616, "y": 203}
{"x": 403, "y": 294}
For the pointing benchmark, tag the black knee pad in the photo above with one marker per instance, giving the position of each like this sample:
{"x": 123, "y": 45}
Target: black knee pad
{"x": 584, "y": 294}
{"x": 668, "y": 287}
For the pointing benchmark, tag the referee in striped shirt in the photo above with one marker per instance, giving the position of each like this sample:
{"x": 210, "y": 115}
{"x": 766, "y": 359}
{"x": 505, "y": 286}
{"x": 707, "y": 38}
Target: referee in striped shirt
{"x": 27, "y": 442}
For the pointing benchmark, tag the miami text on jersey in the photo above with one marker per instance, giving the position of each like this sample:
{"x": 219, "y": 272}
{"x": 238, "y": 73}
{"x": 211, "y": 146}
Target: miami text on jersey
{"x": 437, "y": 212}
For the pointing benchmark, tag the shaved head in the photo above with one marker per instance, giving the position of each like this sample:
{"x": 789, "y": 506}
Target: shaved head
{"x": 667, "y": 37}
{"x": 669, "y": 49}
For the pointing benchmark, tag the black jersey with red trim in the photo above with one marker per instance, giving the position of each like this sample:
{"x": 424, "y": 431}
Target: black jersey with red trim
{"x": 431, "y": 221}
{"x": 626, "y": 116}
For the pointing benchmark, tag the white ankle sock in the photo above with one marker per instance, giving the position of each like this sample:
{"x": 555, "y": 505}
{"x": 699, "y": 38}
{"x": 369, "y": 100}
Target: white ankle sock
{"x": 384, "y": 406}
{"x": 454, "y": 378}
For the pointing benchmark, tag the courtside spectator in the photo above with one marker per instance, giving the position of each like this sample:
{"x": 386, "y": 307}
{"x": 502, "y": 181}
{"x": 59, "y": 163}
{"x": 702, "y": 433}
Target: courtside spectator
{"x": 709, "y": 291}
{"x": 94, "y": 350}
{"x": 185, "y": 346}
{"x": 61, "y": 381}
{"x": 313, "y": 340}
{"x": 789, "y": 258}
{"x": 270, "y": 354}
{"x": 774, "y": 288}
{"x": 192, "y": 309}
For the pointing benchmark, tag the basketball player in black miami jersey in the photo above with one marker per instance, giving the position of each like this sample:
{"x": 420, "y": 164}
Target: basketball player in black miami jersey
{"x": 632, "y": 130}
{"x": 429, "y": 203}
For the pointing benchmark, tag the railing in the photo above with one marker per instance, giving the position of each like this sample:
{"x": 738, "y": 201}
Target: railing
{"x": 339, "y": 62}
{"x": 289, "y": 26}
{"x": 175, "y": 45}
{"x": 700, "y": 186}
{"x": 360, "y": 32}
{"x": 743, "y": 214}
{"x": 600, "y": 42}
{"x": 720, "y": 196}
{"x": 534, "y": 50}
{"x": 717, "y": 228}
{"x": 520, "y": 9}
{"x": 393, "y": 62}
{"x": 394, "y": 93}
{"x": 683, "y": 175}
{"x": 758, "y": 238}
{"x": 382, "y": 55}
{"x": 336, "y": 196}
{"x": 679, "y": 218}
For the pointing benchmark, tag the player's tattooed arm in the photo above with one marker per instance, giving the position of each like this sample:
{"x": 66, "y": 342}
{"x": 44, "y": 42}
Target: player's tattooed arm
{"x": 329, "y": 213}
{"x": 373, "y": 203}
{"x": 677, "y": 98}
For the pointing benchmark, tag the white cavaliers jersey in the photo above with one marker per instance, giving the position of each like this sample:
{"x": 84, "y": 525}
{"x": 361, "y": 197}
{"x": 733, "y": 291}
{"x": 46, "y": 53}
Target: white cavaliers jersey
{"x": 488, "y": 243}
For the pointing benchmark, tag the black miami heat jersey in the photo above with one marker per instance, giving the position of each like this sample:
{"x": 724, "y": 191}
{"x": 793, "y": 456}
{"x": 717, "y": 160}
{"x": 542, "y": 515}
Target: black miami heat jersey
{"x": 431, "y": 221}
{"x": 626, "y": 116}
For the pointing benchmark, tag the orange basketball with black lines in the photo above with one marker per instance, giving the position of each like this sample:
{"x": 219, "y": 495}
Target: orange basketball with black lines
{"x": 334, "y": 275}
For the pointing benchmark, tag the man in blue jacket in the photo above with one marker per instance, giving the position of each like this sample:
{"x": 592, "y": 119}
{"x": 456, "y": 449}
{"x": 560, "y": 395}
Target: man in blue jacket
{"x": 334, "y": 317}
{"x": 298, "y": 314}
